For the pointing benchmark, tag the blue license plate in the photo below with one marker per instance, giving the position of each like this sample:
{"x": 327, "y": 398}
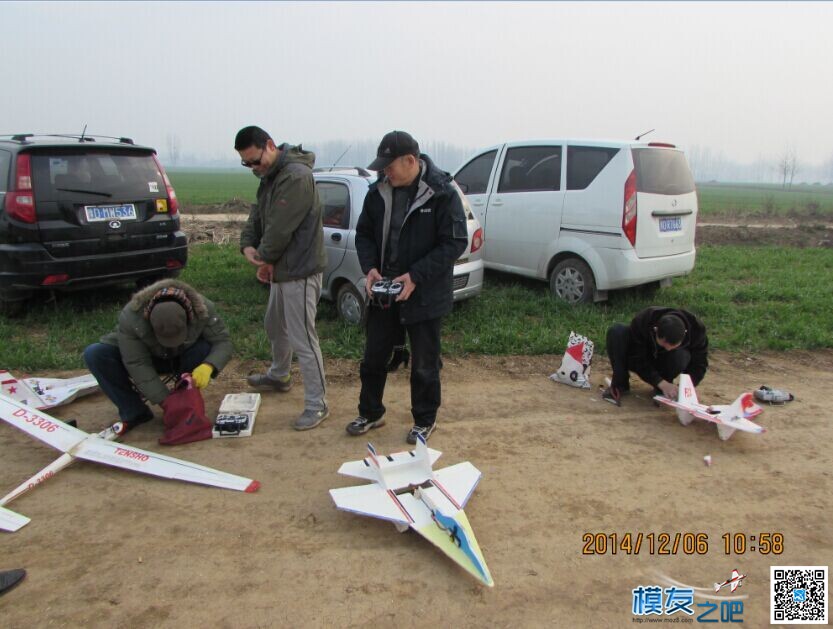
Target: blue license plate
{"x": 98, "y": 213}
{"x": 671, "y": 224}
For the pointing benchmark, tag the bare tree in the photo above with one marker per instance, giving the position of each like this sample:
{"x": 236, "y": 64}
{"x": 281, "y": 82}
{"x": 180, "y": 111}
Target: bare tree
{"x": 173, "y": 148}
{"x": 787, "y": 166}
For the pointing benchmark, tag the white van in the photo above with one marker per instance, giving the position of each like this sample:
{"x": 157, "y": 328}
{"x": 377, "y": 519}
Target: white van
{"x": 587, "y": 215}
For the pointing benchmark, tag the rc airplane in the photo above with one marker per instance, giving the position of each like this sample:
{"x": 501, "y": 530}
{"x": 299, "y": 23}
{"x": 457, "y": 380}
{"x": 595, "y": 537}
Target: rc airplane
{"x": 407, "y": 492}
{"x": 729, "y": 418}
{"x": 43, "y": 393}
{"x": 734, "y": 582}
{"x": 100, "y": 448}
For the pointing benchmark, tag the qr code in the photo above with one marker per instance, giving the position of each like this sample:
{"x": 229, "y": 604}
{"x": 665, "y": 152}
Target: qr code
{"x": 798, "y": 595}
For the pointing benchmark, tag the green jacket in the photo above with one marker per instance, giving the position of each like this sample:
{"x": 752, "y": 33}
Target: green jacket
{"x": 138, "y": 345}
{"x": 285, "y": 224}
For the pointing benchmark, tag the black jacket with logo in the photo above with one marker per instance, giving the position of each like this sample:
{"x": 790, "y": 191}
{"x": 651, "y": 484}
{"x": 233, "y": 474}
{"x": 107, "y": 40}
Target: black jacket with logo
{"x": 643, "y": 348}
{"x": 432, "y": 237}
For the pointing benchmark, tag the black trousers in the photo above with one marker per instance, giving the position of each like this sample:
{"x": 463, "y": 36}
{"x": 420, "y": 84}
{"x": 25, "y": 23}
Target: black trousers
{"x": 668, "y": 364}
{"x": 384, "y": 331}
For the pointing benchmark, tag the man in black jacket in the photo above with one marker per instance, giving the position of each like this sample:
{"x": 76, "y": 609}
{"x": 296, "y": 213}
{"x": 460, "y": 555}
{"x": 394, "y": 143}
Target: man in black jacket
{"x": 411, "y": 230}
{"x": 658, "y": 345}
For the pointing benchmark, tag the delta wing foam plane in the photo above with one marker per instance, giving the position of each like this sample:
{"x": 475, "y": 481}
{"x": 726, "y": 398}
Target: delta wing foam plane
{"x": 100, "y": 448}
{"x": 406, "y": 491}
{"x": 43, "y": 393}
{"x": 728, "y": 418}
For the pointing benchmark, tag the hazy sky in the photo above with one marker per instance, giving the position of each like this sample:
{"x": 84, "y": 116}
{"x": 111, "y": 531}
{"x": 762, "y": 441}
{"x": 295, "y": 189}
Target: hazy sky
{"x": 747, "y": 78}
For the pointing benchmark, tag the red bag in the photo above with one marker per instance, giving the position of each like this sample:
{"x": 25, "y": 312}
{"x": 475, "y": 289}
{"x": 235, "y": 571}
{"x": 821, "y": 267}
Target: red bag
{"x": 184, "y": 415}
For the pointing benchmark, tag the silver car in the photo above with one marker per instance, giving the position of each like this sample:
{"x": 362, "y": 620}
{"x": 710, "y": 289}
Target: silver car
{"x": 342, "y": 192}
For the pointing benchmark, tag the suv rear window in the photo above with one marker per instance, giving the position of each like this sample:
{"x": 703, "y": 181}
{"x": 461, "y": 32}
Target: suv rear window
{"x": 98, "y": 174}
{"x": 662, "y": 171}
{"x": 584, "y": 163}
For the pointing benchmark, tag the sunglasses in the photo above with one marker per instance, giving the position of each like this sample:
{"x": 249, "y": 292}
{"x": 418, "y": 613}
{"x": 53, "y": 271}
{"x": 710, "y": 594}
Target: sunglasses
{"x": 254, "y": 162}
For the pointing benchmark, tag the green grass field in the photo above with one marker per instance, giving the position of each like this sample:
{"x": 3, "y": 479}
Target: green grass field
{"x": 212, "y": 187}
{"x": 750, "y": 299}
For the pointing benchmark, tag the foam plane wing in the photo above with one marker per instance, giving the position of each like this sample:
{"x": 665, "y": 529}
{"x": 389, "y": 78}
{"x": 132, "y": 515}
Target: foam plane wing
{"x": 11, "y": 521}
{"x": 407, "y": 492}
{"x": 101, "y": 448}
{"x": 43, "y": 393}
{"x": 728, "y": 418}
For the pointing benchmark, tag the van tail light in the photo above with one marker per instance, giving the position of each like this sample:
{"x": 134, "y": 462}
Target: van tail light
{"x": 629, "y": 209}
{"x": 20, "y": 202}
{"x": 477, "y": 240}
{"x": 52, "y": 280}
{"x": 173, "y": 204}
{"x": 170, "y": 263}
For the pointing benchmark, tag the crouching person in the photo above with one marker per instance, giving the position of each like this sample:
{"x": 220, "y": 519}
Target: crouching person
{"x": 166, "y": 328}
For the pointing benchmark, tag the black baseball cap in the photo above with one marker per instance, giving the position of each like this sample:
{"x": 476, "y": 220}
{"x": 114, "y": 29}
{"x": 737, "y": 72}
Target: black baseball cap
{"x": 394, "y": 144}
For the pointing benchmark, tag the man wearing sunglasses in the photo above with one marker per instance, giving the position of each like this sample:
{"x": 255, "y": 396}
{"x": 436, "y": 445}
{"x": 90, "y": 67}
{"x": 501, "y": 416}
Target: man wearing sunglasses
{"x": 284, "y": 239}
{"x": 658, "y": 345}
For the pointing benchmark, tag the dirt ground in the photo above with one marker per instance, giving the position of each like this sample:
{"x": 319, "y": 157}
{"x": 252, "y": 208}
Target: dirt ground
{"x": 222, "y": 223}
{"x": 109, "y": 548}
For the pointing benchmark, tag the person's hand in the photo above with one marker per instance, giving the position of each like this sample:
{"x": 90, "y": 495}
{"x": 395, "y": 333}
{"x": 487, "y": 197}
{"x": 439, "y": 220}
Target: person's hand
{"x": 252, "y": 257}
{"x": 408, "y": 286}
{"x": 372, "y": 277}
{"x": 202, "y": 375}
{"x": 669, "y": 389}
{"x": 265, "y": 273}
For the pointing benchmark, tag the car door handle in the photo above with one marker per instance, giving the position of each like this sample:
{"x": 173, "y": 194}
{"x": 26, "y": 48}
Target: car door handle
{"x": 336, "y": 237}
{"x": 477, "y": 203}
{"x": 497, "y": 202}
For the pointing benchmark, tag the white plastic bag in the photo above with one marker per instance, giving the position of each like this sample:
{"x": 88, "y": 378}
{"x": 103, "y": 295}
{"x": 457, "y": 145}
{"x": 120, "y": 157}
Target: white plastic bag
{"x": 575, "y": 366}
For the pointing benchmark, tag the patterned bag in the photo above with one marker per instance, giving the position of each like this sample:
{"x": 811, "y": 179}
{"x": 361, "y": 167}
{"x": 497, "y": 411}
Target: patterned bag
{"x": 575, "y": 366}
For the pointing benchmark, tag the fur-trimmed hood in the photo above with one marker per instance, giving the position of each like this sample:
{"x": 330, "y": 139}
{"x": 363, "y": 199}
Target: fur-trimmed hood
{"x": 142, "y": 298}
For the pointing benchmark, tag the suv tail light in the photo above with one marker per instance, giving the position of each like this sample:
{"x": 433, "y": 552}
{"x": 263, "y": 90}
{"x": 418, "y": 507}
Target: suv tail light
{"x": 20, "y": 202}
{"x": 477, "y": 240}
{"x": 173, "y": 204}
{"x": 629, "y": 209}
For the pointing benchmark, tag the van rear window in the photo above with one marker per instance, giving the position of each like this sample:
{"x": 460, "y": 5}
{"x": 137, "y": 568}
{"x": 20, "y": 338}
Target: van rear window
{"x": 662, "y": 171}
{"x": 96, "y": 174}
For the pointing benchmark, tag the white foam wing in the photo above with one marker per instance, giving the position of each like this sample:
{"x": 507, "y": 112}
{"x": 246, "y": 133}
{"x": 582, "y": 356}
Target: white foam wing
{"x": 458, "y": 481}
{"x": 11, "y": 521}
{"x": 371, "y": 500}
{"x": 130, "y": 458}
{"x": 41, "y": 426}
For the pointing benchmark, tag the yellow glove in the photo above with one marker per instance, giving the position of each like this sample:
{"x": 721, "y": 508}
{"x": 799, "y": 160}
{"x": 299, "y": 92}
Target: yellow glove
{"x": 202, "y": 375}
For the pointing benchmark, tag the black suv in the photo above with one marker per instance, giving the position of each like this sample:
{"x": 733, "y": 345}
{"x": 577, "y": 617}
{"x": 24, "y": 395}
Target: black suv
{"x": 82, "y": 212}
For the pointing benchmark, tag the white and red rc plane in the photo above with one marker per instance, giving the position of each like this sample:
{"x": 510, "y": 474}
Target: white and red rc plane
{"x": 406, "y": 491}
{"x": 734, "y": 582}
{"x": 100, "y": 448}
{"x": 728, "y": 418}
{"x": 43, "y": 393}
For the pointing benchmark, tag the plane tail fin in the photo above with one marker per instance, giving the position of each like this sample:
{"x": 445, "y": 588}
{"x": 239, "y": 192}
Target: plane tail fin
{"x": 17, "y": 390}
{"x": 717, "y": 587}
{"x": 686, "y": 393}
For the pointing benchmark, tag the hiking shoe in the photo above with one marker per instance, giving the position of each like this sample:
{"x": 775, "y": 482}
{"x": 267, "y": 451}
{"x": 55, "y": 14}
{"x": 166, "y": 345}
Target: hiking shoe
{"x": 361, "y": 425}
{"x": 262, "y": 380}
{"x": 415, "y": 431}
{"x": 613, "y": 395}
{"x": 773, "y": 396}
{"x": 310, "y": 419}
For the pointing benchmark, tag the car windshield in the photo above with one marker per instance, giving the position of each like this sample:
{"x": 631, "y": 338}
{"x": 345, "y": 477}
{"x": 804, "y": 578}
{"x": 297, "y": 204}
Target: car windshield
{"x": 99, "y": 174}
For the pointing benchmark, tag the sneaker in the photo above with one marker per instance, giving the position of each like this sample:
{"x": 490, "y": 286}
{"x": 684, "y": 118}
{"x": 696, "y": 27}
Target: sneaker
{"x": 262, "y": 380}
{"x": 416, "y": 431}
{"x": 613, "y": 395}
{"x": 310, "y": 419}
{"x": 361, "y": 425}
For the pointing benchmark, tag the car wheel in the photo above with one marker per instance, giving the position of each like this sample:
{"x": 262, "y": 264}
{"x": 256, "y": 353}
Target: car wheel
{"x": 573, "y": 281}
{"x": 350, "y": 304}
{"x": 13, "y": 303}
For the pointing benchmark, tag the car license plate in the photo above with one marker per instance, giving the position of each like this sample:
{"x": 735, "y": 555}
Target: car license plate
{"x": 98, "y": 213}
{"x": 671, "y": 224}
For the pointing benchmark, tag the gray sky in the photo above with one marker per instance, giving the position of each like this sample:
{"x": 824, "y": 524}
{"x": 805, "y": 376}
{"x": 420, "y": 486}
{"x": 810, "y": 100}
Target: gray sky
{"x": 746, "y": 79}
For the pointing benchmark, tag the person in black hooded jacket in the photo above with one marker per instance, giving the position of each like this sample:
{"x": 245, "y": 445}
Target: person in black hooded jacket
{"x": 658, "y": 345}
{"x": 411, "y": 230}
